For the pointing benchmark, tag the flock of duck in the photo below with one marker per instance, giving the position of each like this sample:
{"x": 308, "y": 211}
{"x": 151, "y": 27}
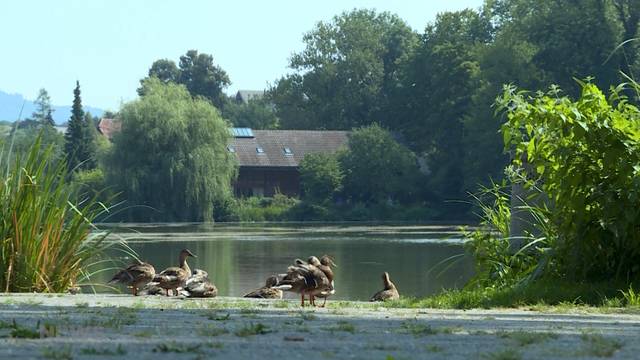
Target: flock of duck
{"x": 312, "y": 278}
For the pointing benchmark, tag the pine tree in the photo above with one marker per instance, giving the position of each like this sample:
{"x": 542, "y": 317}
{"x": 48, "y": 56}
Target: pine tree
{"x": 43, "y": 112}
{"x": 79, "y": 146}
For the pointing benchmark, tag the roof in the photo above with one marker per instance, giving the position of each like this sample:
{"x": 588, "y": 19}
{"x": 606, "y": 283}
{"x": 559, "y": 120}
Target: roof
{"x": 108, "y": 127}
{"x": 246, "y": 95}
{"x": 276, "y": 143}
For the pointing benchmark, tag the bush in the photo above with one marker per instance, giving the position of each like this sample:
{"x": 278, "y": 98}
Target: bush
{"x": 321, "y": 177}
{"x": 585, "y": 157}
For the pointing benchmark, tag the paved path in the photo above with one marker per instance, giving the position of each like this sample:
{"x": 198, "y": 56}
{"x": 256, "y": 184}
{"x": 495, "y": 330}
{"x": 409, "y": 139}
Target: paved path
{"x": 111, "y": 326}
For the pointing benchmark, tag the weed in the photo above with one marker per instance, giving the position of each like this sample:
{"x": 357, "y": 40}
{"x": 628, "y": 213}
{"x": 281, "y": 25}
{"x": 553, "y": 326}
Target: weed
{"x": 631, "y": 297}
{"x": 119, "y": 350}
{"x": 63, "y": 353}
{"x": 212, "y": 331}
{"x": 253, "y": 329}
{"x": 82, "y": 305}
{"x": 507, "y": 354}
{"x": 143, "y": 334}
{"x": 524, "y": 338}
{"x": 173, "y": 347}
{"x": 600, "y": 346}
{"x": 307, "y": 315}
{"x": 216, "y": 317}
{"x": 342, "y": 326}
{"x": 418, "y": 329}
{"x": 434, "y": 348}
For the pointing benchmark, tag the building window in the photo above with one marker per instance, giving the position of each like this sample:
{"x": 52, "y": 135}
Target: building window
{"x": 260, "y": 150}
{"x": 231, "y": 149}
{"x": 287, "y": 151}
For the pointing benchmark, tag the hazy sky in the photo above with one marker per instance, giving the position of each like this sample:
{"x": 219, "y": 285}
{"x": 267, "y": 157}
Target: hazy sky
{"x": 110, "y": 44}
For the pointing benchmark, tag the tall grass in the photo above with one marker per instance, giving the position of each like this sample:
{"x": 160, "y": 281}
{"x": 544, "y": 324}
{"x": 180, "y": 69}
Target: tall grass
{"x": 46, "y": 238}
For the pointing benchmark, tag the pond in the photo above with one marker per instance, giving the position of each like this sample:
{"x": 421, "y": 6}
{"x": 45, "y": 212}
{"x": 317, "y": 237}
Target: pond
{"x": 240, "y": 257}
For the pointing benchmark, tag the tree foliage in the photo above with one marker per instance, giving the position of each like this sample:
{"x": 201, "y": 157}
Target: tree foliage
{"x": 321, "y": 177}
{"x": 196, "y": 72}
{"x": 79, "y": 145}
{"x": 255, "y": 114}
{"x": 344, "y": 75}
{"x": 43, "y": 113}
{"x": 377, "y": 168}
{"x": 185, "y": 167}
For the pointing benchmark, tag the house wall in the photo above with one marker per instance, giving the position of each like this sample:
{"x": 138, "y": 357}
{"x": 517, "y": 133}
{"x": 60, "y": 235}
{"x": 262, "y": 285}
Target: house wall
{"x": 263, "y": 181}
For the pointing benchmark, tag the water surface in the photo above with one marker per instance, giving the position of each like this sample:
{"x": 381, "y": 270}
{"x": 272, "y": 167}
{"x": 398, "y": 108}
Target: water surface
{"x": 240, "y": 257}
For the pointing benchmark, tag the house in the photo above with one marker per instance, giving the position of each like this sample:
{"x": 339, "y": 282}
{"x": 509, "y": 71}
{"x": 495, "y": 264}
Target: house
{"x": 108, "y": 127}
{"x": 269, "y": 159}
{"x": 246, "y": 95}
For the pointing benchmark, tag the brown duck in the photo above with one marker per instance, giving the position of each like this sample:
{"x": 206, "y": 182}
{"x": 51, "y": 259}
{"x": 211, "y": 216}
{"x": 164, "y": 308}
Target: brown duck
{"x": 326, "y": 262}
{"x": 199, "y": 285}
{"x": 135, "y": 275}
{"x": 306, "y": 279}
{"x": 172, "y": 278}
{"x": 268, "y": 291}
{"x": 390, "y": 292}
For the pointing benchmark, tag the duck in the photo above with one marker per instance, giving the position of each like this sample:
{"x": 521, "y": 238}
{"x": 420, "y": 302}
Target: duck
{"x": 306, "y": 279}
{"x": 326, "y": 262}
{"x": 199, "y": 285}
{"x": 268, "y": 291}
{"x": 390, "y": 292}
{"x": 172, "y": 278}
{"x": 135, "y": 275}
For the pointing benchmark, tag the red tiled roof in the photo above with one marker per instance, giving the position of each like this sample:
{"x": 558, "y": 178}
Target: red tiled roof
{"x": 108, "y": 127}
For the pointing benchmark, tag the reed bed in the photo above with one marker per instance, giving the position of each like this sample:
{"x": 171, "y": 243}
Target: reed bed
{"x": 47, "y": 239}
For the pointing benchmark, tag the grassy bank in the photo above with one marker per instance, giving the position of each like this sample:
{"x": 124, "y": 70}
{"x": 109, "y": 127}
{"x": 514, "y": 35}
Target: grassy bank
{"x": 540, "y": 295}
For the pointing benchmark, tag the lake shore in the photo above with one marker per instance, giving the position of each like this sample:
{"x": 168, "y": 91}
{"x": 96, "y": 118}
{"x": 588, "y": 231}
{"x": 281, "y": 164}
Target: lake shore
{"x": 60, "y": 326}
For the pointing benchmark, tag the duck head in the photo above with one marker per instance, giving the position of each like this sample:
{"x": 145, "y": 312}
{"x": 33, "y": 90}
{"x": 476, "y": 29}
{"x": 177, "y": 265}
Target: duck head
{"x": 271, "y": 281}
{"x": 313, "y": 261}
{"x": 327, "y": 260}
{"x": 184, "y": 253}
{"x": 199, "y": 273}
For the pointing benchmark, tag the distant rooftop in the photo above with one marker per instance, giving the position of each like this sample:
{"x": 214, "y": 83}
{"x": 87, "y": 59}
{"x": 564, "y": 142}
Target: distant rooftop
{"x": 284, "y": 148}
{"x": 246, "y": 95}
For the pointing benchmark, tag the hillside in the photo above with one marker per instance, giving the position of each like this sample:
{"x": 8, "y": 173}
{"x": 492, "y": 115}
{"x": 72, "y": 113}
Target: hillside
{"x": 10, "y": 105}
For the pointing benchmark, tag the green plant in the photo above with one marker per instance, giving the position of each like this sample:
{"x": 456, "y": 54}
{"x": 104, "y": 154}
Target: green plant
{"x": 63, "y": 353}
{"x": 600, "y": 346}
{"x": 584, "y": 155}
{"x": 524, "y": 338}
{"x": 253, "y": 329}
{"x": 119, "y": 350}
{"x": 507, "y": 354}
{"x": 46, "y": 236}
{"x": 342, "y": 326}
{"x": 173, "y": 347}
{"x": 631, "y": 297}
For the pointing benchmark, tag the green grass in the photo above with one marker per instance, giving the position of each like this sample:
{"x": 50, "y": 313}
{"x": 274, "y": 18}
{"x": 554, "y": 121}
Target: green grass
{"x": 342, "y": 326}
{"x": 174, "y": 347}
{"x": 212, "y": 331}
{"x": 253, "y": 329}
{"x": 118, "y": 351}
{"x": 524, "y": 338}
{"x": 599, "y": 346}
{"x": 62, "y": 353}
{"x": 506, "y": 354}
{"x": 544, "y": 295}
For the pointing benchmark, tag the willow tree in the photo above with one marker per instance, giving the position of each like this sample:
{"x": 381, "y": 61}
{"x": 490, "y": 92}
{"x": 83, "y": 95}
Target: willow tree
{"x": 170, "y": 160}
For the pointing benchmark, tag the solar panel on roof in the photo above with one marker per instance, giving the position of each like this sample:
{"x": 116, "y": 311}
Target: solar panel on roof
{"x": 242, "y": 132}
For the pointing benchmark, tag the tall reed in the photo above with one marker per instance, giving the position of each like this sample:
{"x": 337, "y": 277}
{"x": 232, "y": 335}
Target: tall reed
{"x": 46, "y": 238}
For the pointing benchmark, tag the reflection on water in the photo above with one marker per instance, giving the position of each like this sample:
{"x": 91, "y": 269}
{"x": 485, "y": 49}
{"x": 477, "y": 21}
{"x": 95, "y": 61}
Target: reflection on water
{"x": 240, "y": 257}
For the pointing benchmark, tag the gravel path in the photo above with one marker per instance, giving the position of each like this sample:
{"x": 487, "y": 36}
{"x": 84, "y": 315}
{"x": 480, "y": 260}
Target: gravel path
{"x": 110, "y": 326}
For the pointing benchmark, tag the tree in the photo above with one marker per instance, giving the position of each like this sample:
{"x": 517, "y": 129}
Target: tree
{"x": 195, "y": 71}
{"x": 171, "y": 155}
{"x": 79, "y": 145}
{"x": 438, "y": 83}
{"x": 321, "y": 177}
{"x": 345, "y": 73}
{"x": 378, "y": 169}
{"x": 255, "y": 114}
{"x": 43, "y": 112}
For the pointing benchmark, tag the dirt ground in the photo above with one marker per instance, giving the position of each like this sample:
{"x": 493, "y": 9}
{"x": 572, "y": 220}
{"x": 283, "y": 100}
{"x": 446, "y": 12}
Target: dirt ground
{"x": 36, "y": 326}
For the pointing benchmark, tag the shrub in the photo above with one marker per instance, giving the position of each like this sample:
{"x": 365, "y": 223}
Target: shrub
{"x": 585, "y": 156}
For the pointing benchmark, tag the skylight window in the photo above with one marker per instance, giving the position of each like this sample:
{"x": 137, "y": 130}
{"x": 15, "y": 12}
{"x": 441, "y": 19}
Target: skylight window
{"x": 260, "y": 150}
{"x": 231, "y": 149}
{"x": 287, "y": 151}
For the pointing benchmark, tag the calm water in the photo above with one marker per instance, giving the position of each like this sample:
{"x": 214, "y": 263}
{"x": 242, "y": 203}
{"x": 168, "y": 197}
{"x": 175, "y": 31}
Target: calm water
{"x": 239, "y": 257}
